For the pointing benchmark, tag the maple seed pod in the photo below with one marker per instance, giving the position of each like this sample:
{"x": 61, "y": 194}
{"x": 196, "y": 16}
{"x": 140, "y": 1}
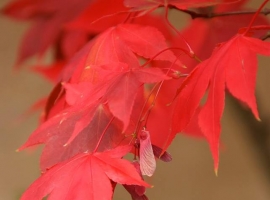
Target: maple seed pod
{"x": 166, "y": 157}
{"x": 137, "y": 192}
{"x": 133, "y": 191}
{"x": 147, "y": 158}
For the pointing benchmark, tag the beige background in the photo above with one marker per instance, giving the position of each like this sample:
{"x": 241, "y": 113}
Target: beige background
{"x": 244, "y": 169}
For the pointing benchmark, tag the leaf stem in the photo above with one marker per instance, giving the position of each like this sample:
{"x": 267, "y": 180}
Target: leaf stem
{"x": 146, "y": 116}
{"x": 195, "y": 14}
{"x": 147, "y": 113}
{"x": 141, "y": 117}
{"x": 171, "y": 48}
{"x": 175, "y": 29}
{"x": 102, "y": 134}
{"x": 144, "y": 105}
{"x": 255, "y": 16}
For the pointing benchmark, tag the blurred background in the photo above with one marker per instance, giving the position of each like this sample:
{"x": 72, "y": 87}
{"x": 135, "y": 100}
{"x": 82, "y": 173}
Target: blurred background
{"x": 244, "y": 171}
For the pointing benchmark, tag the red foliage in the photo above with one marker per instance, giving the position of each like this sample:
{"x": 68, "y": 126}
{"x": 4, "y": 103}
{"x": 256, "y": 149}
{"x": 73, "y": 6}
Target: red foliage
{"x": 127, "y": 81}
{"x": 84, "y": 171}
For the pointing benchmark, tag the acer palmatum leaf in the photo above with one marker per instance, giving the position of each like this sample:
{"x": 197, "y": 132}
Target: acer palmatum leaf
{"x": 50, "y": 72}
{"x": 119, "y": 84}
{"x": 86, "y": 176}
{"x": 233, "y": 65}
{"x": 61, "y": 142}
{"x": 118, "y": 44}
{"x": 116, "y": 84}
{"x": 211, "y": 28}
{"x": 122, "y": 91}
{"x": 82, "y": 123}
{"x": 49, "y": 17}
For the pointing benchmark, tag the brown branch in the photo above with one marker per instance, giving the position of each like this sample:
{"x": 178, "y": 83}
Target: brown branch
{"x": 195, "y": 14}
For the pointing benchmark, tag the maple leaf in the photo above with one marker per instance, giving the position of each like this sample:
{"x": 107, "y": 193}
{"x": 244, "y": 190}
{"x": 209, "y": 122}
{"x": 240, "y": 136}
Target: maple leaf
{"x": 118, "y": 44}
{"x": 86, "y": 176}
{"x": 69, "y": 133}
{"x": 114, "y": 78}
{"x": 112, "y": 63}
{"x": 233, "y": 65}
{"x": 55, "y": 103}
{"x": 117, "y": 84}
{"x": 50, "y": 72}
{"x": 160, "y": 122}
{"x": 49, "y": 17}
{"x": 210, "y": 29}
{"x": 126, "y": 87}
{"x": 73, "y": 70}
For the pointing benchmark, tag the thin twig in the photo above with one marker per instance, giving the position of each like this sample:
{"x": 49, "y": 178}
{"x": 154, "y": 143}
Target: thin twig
{"x": 195, "y": 14}
{"x": 255, "y": 16}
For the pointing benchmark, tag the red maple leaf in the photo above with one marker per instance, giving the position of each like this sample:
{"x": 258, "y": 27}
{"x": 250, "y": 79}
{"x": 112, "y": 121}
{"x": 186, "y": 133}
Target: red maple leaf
{"x": 50, "y": 72}
{"x": 210, "y": 29}
{"x": 49, "y": 17}
{"x": 62, "y": 142}
{"x": 116, "y": 84}
{"x": 50, "y": 23}
{"x": 102, "y": 78}
{"x": 86, "y": 176}
{"x": 233, "y": 65}
{"x": 112, "y": 66}
{"x": 118, "y": 44}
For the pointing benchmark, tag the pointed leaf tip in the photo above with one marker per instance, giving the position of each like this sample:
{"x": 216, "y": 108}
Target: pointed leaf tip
{"x": 216, "y": 172}
{"x": 161, "y": 154}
